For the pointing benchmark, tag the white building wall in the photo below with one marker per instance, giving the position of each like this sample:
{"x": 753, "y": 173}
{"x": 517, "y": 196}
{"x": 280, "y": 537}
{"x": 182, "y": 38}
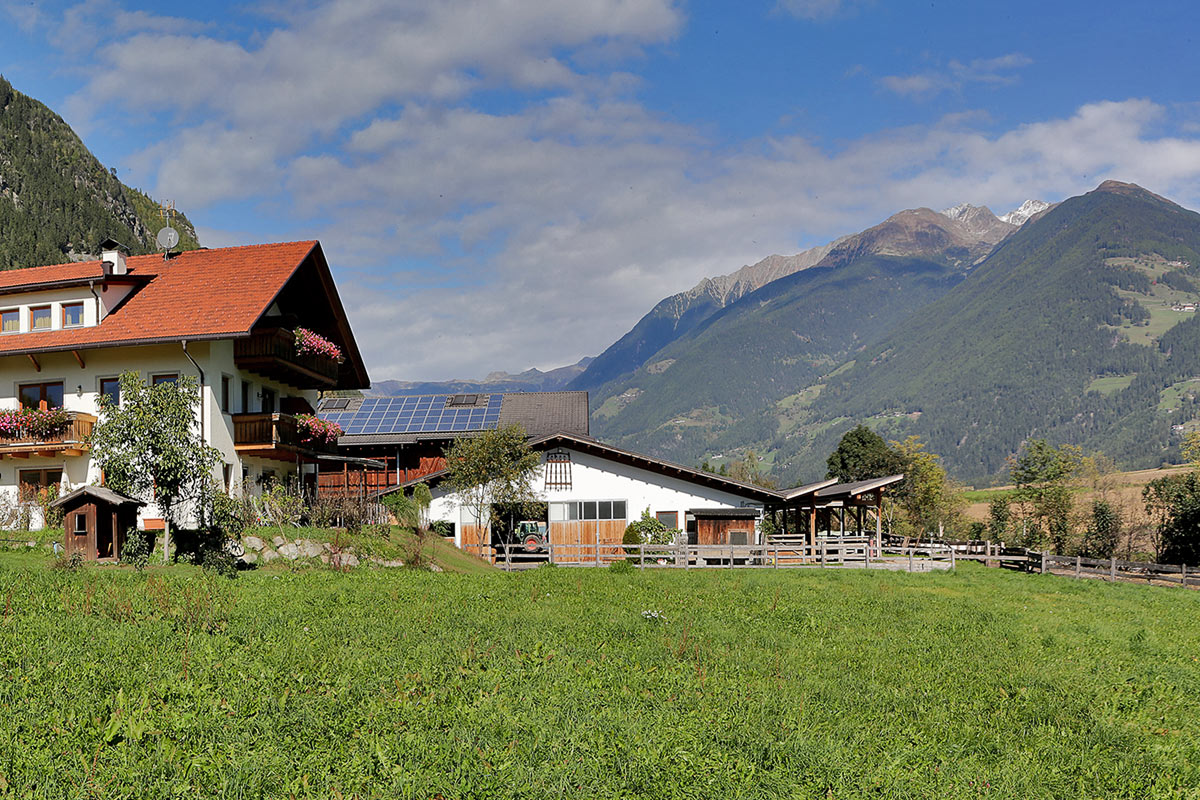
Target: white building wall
{"x": 597, "y": 478}
{"x": 81, "y": 388}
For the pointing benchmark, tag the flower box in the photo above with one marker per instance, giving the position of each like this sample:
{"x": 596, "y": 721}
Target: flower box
{"x": 312, "y": 343}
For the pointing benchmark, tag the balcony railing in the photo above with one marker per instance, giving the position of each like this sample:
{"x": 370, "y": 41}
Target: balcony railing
{"x": 275, "y": 436}
{"x": 73, "y": 437}
{"x": 272, "y": 353}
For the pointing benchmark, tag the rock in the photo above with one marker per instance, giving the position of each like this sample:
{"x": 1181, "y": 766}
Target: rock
{"x": 435, "y": 568}
{"x": 309, "y": 548}
{"x": 254, "y": 543}
{"x": 327, "y": 547}
{"x": 379, "y": 561}
{"x": 344, "y": 560}
{"x": 289, "y": 551}
{"x": 324, "y": 558}
{"x": 249, "y": 558}
{"x": 278, "y": 541}
{"x": 269, "y": 555}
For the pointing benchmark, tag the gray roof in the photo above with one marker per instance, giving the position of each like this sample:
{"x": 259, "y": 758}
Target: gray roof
{"x": 102, "y": 493}
{"x": 857, "y": 487}
{"x": 725, "y": 513}
{"x": 539, "y": 413}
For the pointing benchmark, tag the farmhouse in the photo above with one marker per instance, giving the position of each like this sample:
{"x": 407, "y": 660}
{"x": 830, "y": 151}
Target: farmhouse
{"x": 229, "y": 317}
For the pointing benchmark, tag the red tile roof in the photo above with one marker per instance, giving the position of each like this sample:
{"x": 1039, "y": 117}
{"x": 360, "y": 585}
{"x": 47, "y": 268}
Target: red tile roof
{"x": 60, "y": 273}
{"x": 198, "y": 294}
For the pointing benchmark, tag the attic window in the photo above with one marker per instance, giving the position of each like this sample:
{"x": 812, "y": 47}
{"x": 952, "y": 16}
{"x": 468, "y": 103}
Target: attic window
{"x": 558, "y": 469}
{"x": 462, "y": 400}
{"x": 336, "y": 404}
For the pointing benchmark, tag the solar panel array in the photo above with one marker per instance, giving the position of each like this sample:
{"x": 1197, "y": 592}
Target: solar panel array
{"x": 420, "y": 414}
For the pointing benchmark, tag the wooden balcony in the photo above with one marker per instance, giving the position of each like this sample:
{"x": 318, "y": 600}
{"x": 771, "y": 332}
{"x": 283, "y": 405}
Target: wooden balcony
{"x": 71, "y": 442}
{"x": 272, "y": 354}
{"x": 275, "y": 436}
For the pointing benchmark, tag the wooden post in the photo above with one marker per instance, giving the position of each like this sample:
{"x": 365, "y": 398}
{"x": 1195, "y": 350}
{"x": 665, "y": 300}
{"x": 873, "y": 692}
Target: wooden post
{"x": 549, "y": 547}
{"x": 776, "y": 559}
{"x": 1043, "y": 569}
{"x": 597, "y": 546}
{"x": 1183, "y": 575}
{"x": 822, "y": 552}
{"x": 910, "y": 559}
{"x": 642, "y": 556}
{"x": 953, "y": 565}
{"x": 1078, "y": 566}
{"x": 731, "y": 556}
{"x": 1112, "y": 569}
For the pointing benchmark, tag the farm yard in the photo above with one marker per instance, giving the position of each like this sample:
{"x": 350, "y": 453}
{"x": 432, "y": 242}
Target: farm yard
{"x": 297, "y": 681}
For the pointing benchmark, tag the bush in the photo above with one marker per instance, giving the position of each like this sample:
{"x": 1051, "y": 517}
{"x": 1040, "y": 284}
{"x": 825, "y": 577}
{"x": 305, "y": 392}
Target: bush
{"x": 136, "y": 551}
{"x": 218, "y": 561}
{"x": 621, "y": 567}
{"x": 71, "y": 563}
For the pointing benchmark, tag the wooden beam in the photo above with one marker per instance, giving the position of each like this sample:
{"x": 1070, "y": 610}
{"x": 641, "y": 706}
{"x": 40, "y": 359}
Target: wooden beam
{"x": 79, "y": 358}
{"x": 33, "y": 359}
{"x": 19, "y": 455}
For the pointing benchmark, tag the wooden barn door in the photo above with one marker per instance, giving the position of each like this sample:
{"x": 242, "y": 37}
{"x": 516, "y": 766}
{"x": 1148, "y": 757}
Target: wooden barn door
{"x": 475, "y": 540}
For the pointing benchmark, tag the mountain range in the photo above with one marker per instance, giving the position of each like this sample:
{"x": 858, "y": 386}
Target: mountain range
{"x": 972, "y": 332}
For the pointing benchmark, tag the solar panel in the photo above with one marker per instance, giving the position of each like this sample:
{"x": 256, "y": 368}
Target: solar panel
{"x": 417, "y": 414}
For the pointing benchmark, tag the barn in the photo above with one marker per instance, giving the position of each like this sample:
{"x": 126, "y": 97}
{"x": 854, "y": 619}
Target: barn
{"x": 591, "y": 491}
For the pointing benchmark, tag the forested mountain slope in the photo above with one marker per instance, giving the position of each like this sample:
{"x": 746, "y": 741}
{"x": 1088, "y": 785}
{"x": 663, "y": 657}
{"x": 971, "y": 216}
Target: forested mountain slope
{"x": 710, "y": 388}
{"x": 1075, "y": 329}
{"x": 57, "y": 201}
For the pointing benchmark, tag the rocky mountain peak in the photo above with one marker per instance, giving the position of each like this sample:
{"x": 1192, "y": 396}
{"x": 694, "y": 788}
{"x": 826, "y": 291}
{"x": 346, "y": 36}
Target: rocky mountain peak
{"x": 1021, "y": 214}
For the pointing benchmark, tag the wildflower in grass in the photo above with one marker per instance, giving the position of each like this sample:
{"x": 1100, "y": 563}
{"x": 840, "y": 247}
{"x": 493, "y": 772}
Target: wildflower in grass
{"x": 312, "y": 343}
{"x": 653, "y": 616}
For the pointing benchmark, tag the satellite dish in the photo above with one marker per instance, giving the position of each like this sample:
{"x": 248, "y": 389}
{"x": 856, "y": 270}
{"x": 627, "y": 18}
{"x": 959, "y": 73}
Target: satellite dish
{"x": 168, "y": 237}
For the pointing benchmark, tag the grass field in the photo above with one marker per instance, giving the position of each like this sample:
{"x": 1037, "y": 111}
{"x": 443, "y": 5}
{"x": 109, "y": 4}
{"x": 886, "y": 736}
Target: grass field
{"x": 554, "y": 683}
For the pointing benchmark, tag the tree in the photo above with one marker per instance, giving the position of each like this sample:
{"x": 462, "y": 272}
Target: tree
{"x": 1040, "y": 473}
{"x": 1174, "y": 504}
{"x": 861, "y": 454}
{"x": 999, "y": 518}
{"x": 494, "y": 468}
{"x": 1103, "y": 532}
{"x": 149, "y": 446}
{"x": 927, "y": 497}
{"x": 748, "y": 470}
{"x": 412, "y": 511}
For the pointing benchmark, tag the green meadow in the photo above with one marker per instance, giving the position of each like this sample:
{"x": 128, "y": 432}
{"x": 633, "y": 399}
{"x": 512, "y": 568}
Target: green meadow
{"x": 593, "y": 683}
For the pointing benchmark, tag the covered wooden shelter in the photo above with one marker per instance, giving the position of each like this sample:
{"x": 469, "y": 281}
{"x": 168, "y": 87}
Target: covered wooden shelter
{"x": 97, "y": 521}
{"x": 829, "y": 508}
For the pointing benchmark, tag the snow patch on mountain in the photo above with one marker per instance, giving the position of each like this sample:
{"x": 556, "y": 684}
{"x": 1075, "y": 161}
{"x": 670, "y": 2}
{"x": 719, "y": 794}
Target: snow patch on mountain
{"x": 1020, "y": 215}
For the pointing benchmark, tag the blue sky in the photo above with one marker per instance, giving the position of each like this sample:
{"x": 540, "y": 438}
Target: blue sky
{"x": 508, "y": 184}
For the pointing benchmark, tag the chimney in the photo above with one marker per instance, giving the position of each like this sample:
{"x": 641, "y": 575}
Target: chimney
{"x": 113, "y": 253}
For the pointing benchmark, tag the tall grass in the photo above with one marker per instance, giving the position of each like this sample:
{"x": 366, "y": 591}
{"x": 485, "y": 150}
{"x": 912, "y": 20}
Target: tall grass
{"x": 555, "y": 683}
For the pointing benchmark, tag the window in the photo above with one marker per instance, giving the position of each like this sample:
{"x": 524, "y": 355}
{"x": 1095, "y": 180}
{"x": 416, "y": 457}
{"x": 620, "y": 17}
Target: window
{"x": 558, "y": 469}
{"x": 42, "y": 395}
{"x": 39, "y": 318}
{"x": 226, "y": 391}
{"x": 668, "y": 518}
{"x": 165, "y": 377}
{"x": 111, "y": 388}
{"x": 80, "y": 523}
{"x": 739, "y": 537}
{"x": 10, "y": 321}
{"x": 72, "y": 315}
{"x": 587, "y": 510}
{"x": 245, "y": 397}
{"x": 33, "y": 480}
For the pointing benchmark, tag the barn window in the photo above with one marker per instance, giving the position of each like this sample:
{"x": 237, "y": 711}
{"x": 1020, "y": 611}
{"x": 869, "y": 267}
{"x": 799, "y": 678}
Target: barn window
{"x": 668, "y": 518}
{"x": 558, "y": 469}
{"x": 80, "y": 523}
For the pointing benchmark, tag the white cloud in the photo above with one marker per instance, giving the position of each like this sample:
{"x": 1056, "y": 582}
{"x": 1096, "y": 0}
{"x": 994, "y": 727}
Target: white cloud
{"x": 955, "y": 75}
{"x": 538, "y": 227}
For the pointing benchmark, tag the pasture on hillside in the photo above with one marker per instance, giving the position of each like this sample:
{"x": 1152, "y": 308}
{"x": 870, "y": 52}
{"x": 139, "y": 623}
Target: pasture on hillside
{"x": 305, "y": 682}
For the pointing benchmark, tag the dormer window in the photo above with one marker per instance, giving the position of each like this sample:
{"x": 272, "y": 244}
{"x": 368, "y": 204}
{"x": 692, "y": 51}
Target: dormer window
{"x": 39, "y": 318}
{"x": 72, "y": 315}
{"x": 10, "y": 321}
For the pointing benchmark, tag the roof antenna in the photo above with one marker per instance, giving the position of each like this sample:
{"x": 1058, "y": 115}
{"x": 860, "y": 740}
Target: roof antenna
{"x": 167, "y": 237}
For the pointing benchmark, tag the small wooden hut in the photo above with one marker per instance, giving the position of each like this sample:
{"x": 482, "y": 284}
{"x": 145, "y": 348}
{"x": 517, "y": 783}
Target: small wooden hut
{"x": 96, "y": 521}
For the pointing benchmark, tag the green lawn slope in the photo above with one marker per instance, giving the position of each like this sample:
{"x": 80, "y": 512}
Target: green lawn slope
{"x": 591, "y": 683}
